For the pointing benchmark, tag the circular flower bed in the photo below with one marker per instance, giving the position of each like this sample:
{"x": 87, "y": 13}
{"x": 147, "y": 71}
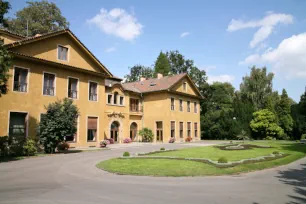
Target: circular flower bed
{"x": 240, "y": 147}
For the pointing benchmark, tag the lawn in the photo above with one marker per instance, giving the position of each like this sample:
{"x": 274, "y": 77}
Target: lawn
{"x": 165, "y": 167}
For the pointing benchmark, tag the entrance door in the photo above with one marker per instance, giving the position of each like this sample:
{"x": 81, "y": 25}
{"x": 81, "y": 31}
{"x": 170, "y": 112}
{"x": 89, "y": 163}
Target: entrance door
{"x": 133, "y": 131}
{"x": 114, "y": 132}
{"x": 159, "y": 131}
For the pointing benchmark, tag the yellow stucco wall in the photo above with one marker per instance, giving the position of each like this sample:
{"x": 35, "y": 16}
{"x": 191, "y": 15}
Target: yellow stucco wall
{"x": 47, "y": 49}
{"x": 179, "y": 87}
{"x": 34, "y": 101}
{"x": 8, "y": 39}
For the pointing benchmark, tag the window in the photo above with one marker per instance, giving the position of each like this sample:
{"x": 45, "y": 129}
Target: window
{"x": 115, "y": 97}
{"x": 18, "y": 124}
{"x": 109, "y": 98}
{"x": 92, "y": 124}
{"x": 195, "y": 129}
{"x": 159, "y": 131}
{"x": 73, "y": 88}
{"x": 134, "y": 105}
{"x": 172, "y": 129}
{"x": 121, "y": 100}
{"x": 21, "y": 80}
{"x": 93, "y": 96}
{"x": 181, "y": 105}
{"x": 49, "y": 84}
{"x": 72, "y": 138}
{"x": 62, "y": 53}
{"x": 188, "y": 106}
{"x": 195, "y": 107}
{"x": 181, "y": 129}
{"x": 172, "y": 103}
{"x": 188, "y": 129}
{"x": 185, "y": 86}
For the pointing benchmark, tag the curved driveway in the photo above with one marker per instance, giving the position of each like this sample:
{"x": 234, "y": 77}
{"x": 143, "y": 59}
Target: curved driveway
{"x": 73, "y": 178}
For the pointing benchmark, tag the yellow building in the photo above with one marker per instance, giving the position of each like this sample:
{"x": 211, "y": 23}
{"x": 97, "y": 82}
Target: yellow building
{"x": 56, "y": 65}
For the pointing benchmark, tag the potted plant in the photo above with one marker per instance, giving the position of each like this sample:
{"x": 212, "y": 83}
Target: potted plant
{"x": 103, "y": 143}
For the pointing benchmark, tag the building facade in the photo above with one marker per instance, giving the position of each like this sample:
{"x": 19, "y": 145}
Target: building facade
{"x": 56, "y": 65}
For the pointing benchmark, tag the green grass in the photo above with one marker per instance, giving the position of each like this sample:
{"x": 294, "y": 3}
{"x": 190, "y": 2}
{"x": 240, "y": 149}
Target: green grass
{"x": 164, "y": 167}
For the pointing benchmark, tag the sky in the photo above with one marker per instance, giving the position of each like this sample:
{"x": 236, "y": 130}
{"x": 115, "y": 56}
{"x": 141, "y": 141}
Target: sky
{"x": 224, "y": 38}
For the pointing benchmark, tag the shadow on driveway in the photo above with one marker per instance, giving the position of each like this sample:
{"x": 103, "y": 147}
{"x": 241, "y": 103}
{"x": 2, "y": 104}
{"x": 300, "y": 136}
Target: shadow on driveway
{"x": 296, "y": 178}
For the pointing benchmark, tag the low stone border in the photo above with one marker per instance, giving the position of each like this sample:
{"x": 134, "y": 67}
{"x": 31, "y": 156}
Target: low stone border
{"x": 209, "y": 161}
{"x": 158, "y": 151}
{"x": 240, "y": 146}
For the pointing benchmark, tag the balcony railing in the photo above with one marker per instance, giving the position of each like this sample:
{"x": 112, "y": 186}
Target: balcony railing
{"x": 73, "y": 94}
{"x": 172, "y": 107}
{"x": 137, "y": 109}
{"x": 93, "y": 97}
{"x": 20, "y": 87}
{"x": 49, "y": 91}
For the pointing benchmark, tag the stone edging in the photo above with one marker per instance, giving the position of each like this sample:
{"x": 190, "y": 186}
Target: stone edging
{"x": 208, "y": 161}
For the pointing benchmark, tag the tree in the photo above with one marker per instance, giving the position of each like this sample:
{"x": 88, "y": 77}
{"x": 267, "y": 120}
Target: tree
{"x": 265, "y": 124}
{"x": 138, "y": 71}
{"x": 162, "y": 65}
{"x": 5, "y": 58}
{"x": 243, "y": 136}
{"x": 40, "y": 17}
{"x": 4, "y": 7}
{"x": 298, "y": 113}
{"x": 257, "y": 87}
{"x": 59, "y": 121}
{"x": 283, "y": 110}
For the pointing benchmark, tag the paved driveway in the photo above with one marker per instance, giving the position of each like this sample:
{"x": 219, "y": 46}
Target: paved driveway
{"x": 73, "y": 178}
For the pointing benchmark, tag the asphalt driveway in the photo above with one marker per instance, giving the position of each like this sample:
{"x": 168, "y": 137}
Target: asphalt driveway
{"x": 73, "y": 178}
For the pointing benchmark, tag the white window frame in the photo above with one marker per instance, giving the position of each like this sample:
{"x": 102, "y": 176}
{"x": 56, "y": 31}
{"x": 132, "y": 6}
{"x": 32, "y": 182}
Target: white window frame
{"x": 173, "y": 103}
{"x": 78, "y": 87}
{"x": 90, "y": 81}
{"x": 174, "y": 128}
{"x": 9, "y": 116}
{"x": 123, "y": 101}
{"x": 68, "y": 53}
{"x": 28, "y": 78}
{"x": 98, "y": 129}
{"x": 182, "y": 105}
{"x": 112, "y": 99}
{"x": 43, "y": 77}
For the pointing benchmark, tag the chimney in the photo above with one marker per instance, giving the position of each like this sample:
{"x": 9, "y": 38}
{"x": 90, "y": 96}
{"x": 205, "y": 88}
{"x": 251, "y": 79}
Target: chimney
{"x": 37, "y": 35}
{"x": 142, "y": 78}
{"x": 159, "y": 75}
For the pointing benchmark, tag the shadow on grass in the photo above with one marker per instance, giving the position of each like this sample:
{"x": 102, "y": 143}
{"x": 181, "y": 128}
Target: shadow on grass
{"x": 295, "y": 147}
{"x": 296, "y": 178}
{"x": 9, "y": 159}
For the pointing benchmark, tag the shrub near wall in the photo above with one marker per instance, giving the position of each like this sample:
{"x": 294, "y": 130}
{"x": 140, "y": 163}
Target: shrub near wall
{"x": 147, "y": 135}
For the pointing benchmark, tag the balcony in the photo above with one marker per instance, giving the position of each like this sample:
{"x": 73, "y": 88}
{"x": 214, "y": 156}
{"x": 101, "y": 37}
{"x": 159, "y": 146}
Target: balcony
{"x": 136, "y": 111}
{"x": 20, "y": 87}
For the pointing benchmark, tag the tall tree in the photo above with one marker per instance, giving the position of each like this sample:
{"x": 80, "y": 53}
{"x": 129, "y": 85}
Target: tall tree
{"x": 5, "y": 58}
{"x": 162, "y": 65}
{"x": 298, "y": 113}
{"x": 40, "y": 17}
{"x": 178, "y": 63}
{"x": 283, "y": 112}
{"x": 257, "y": 87}
{"x": 4, "y": 7}
{"x": 138, "y": 71}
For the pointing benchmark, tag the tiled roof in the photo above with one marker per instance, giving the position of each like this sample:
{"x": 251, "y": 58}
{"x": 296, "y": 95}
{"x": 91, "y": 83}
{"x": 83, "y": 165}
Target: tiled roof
{"x": 153, "y": 84}
{"x": 47, "y": 35}
{"x": 11, "y": 33}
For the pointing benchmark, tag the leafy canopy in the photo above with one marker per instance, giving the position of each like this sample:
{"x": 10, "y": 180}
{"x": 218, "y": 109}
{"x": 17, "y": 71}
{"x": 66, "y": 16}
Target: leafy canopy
{"x": 41, "y": 17}
{"x": 59, "y": 121}
{"x": 138, "y": 71}
{"x": 162, "y": 65}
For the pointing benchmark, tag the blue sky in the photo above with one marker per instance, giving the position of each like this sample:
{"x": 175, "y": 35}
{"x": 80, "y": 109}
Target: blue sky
{"x": 223, "y": 37}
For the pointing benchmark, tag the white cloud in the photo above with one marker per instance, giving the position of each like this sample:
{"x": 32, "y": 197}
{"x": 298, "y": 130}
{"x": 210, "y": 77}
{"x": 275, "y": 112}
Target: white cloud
{"x": 110, "y": 49}
{"x": 184, "y": 34}
{"x": 220, "y": 78}
{"x": 266, "y": 26}
{"x": 287, "y": 59}
{"x": 117, "y": 22}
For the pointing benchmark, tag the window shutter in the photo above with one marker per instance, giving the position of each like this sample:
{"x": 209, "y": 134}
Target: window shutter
{"x": 92, "y": 123}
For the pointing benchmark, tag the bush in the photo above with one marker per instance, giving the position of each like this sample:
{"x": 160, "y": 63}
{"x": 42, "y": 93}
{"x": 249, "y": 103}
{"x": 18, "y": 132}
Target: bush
{"x": 111, "y": 141}
{"x": 29, "y": 147}
{"x": 188, "y": 139}
{"x": 16, "y": 146}
{"x": 104, "y": 143}
{"x": 269, "y": 138}
{"x": 127, "y": 140}
{"x": 303, "y": 137}
{"x": 63, "y": 146}
{"x": 4, "y": 146}
{"x": 162, "y": 149}
{"x": 146, "y": 134}
{"x": 275, "y": 152}
{"x": 172, "y": 140}
{"x": 59, "y": 121}
{"x": 126, "y": 154}
{"x": 222, "y": 160}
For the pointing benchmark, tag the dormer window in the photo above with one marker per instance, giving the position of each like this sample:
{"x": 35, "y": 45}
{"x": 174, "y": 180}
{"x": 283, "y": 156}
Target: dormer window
{"x": 62, "y": 53}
